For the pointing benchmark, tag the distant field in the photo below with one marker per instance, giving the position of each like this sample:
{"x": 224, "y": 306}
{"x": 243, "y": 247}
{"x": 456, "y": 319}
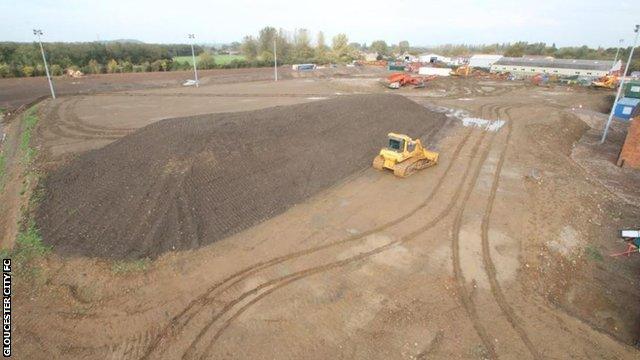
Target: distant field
{"x": 219, "y": 59}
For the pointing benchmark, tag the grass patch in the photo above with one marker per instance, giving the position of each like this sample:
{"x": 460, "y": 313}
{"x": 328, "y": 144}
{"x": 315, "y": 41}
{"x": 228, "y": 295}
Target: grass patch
{"x": 3, "y": 170}
{"x": 30, "y": 121}
{"x": 593, "y": 253}
{"x": 29, "y": 243}
{"x": 218, "y": 59}
{"x": 130, "y": 266}
{"x": 480, "y": 352}
{"x": 29, "y": 246}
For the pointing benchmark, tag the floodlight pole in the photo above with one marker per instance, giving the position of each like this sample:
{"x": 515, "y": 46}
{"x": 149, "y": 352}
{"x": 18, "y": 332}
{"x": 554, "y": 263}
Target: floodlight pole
{"x": 38, "y": 33}
{"x": 617, "y": 52}
{"x": 193, "y": 56}
{"x": 275, "y": 59}
{"x": 620, "y": 86}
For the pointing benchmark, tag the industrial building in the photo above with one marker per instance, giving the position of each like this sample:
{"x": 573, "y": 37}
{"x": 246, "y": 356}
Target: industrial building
{"x": 433, "y": 58}
{"x": 529, "y": 66}
{"x": 483, "y": 61}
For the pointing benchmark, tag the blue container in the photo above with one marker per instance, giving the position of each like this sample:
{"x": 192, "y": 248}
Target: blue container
{"x": 306, "y": 67}
{"x": 624, "y": 107}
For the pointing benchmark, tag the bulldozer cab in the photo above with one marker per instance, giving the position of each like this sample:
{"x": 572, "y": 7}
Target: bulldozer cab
{"x": 401, "y": 143}
{"x": 396, "y": 144}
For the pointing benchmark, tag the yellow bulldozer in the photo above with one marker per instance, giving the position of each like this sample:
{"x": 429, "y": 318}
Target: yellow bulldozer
{"x": 404, "y": 156}
{"x": 463, "y": 70}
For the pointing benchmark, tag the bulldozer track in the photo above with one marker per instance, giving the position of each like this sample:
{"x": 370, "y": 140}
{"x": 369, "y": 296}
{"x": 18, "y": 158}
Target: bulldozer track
{"x": 489, "y": 266}
{"x": 432, "y": 348}
{"x": 463, "y": 294}
{"x": 239, "y": 95}
{"x": 185, "y": 316}
{"x": 65, "y": 123}
{"x": 278, "y": 283}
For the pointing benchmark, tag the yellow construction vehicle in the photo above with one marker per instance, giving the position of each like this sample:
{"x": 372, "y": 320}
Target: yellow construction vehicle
{"x": 404, "y": 156}
{"x": 463, "y": 70}
{"x": 607, "y": 82}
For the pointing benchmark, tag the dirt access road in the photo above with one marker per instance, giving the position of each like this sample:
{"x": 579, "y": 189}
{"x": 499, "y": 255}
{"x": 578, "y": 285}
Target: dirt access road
{"x": 15, "y": 92}
{"x": 491, "y": 254}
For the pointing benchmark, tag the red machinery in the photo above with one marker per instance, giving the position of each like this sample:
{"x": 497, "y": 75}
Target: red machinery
{"x": 398, "y": 80}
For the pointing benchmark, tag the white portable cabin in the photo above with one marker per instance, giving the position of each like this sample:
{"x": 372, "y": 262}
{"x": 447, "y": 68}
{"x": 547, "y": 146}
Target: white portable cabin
{"x": 426, "y": 70}
{"x": 483, "y": 60}
{"x": 433, "y": 58}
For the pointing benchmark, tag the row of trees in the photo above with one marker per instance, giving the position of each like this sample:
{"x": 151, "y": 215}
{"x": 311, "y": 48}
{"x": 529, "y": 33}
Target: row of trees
{"x": 297, "y": 47}
{"x": 24, "y": 59}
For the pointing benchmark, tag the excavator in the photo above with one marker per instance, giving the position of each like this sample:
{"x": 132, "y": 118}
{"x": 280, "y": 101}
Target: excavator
{"x": 398, "y": 80}
{"x": 607, "y": 82}
{"x": 404, "y": 156}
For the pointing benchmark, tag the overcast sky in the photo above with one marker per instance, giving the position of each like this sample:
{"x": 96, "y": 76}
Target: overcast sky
{"x": 565, "y": 22}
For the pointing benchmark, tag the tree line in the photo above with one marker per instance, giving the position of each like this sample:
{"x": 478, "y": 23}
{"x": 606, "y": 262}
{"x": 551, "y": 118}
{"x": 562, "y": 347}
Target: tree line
{"x": 299, "y": 46}
{"x": 24, "y": 59}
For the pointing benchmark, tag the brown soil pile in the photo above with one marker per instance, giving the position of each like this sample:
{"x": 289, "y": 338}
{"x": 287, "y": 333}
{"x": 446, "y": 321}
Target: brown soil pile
{"x": 183, "y": 183}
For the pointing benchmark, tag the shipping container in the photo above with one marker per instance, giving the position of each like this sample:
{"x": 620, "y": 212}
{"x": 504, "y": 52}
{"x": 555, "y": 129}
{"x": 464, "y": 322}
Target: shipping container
{"x": 394, "y": 67}
{"x": 624, "y": 107}
{"x": 303, "y": 67}
{"x": 632, "y": 89}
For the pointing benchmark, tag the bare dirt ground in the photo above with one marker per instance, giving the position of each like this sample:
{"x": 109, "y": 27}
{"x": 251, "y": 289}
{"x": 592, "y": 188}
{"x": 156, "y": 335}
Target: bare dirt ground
{"x": 500, "y": 251}
{"x": 15, "y": 92}
{"x": 188, "y": 182}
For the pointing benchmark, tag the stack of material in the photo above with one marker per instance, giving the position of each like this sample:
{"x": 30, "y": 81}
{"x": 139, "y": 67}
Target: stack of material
{"x": 74, "y": 73}
{"x": 630, "y": 154}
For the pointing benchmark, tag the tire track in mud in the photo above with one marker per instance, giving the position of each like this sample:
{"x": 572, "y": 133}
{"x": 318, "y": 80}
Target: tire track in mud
{"x": 241, "y": 275}
{"x": 75, "y": 120}
{"x": 305, "y": 273}
{"x": 205, "y": 300}
{"x": 279, "y": 283}
{"x": 489, "y": 266}
{"x": 64, "y": 123}
{"x": 230, "y": 95}
{"x": 432, "y": 348}
{"x": 463, "y": 294}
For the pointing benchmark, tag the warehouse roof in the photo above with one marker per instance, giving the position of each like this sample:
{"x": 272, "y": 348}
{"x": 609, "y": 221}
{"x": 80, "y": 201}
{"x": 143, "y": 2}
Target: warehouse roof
{"x": 486, "y": 56}
{"x": 602, "y": 65}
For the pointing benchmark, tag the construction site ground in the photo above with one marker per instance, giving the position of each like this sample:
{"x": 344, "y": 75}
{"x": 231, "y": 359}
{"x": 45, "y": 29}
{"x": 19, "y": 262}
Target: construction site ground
{"x": 499, "y": 251}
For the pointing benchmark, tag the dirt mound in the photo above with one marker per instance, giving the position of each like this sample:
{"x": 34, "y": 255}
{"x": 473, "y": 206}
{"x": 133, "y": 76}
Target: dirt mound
{"x": 183, "y": 183}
